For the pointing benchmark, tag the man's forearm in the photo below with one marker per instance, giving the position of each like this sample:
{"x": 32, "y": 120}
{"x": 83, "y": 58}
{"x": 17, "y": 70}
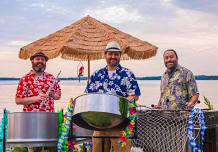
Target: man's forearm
{"x": 192, "y": 101}
{"x": 26, "y": 100}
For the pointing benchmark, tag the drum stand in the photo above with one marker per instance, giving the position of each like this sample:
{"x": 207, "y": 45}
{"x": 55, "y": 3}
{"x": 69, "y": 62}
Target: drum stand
{"x": 104, "y": 137}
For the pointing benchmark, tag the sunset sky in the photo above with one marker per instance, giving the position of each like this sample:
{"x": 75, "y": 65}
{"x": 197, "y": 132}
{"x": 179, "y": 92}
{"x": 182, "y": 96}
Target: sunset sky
{"x": 188, "y": 26}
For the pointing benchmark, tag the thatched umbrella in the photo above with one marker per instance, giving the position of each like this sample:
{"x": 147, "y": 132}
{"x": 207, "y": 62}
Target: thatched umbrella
{"x": 86, "y": 39}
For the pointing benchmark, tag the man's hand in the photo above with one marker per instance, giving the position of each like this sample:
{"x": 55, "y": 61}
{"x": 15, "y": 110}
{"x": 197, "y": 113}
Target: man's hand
{"x": 51, "y": 93}
{"x": 190, "y": 105}
{"x": 41, "y": 97}
{"x": 192, "y": 101}
{"x": 132, "y": 98}
{"x": 30, "y": 100}
{"x": 54, "y": 95}
{"x": 156, "y": 106}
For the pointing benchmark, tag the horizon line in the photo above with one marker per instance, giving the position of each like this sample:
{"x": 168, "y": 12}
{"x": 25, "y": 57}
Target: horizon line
{"x": 197, "y": 77}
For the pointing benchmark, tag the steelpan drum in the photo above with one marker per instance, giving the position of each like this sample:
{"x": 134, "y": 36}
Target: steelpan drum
{"x": 82, "y": 134}
{"x": 101, "y": 112}
{"x": 32, "y": 129}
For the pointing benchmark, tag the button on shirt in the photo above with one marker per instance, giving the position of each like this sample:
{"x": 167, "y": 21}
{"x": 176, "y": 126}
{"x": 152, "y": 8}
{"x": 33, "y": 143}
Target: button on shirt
{"x": 31, "y": 85}
{"x": 177, "y": 88}
{"x": 122, "y": 83}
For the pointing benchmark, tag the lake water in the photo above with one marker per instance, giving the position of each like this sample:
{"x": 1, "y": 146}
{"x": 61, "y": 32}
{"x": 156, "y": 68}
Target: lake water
{"x": 71, "y": 89}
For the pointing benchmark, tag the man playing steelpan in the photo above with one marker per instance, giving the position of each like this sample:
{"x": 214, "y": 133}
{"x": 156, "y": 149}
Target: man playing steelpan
{"x": 32, "y": 90}
{"x": 117, "y": 80}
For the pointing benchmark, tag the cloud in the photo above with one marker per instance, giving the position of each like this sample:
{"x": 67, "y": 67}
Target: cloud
{"x": 18, "y": 43}
{"x": 51, "y": 8}
{"x": 116, "y": 14}
{"x": 2, "y": 21}
{"x": 14, "y": 43}
{"x": 194, "y": 21}
{"x": 167, "y": 1}
{"x": 183, "y": 28}
{"x": 208, "y": 6}
{"x": 4, "y": 57}
{"x": 11, "y": 47}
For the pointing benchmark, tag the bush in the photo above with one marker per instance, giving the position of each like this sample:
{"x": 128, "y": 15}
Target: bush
{"x": 19, "y": 149}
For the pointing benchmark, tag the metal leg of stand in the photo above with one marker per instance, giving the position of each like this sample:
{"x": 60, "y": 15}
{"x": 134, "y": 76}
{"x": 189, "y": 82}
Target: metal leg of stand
{"x": 201, "y": 147}
{"x": 84, "y": 148}
{"x": 102, "y": 143}
{"x": 136, "y": 125}
{"x": 4, "y": 134}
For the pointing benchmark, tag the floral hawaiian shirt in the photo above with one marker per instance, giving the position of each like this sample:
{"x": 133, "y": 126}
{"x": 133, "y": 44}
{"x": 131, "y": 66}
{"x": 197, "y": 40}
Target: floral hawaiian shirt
{"x": 32, "y": 85}
{"x": 122, "y": 83}
{"x": 177, "y": 88}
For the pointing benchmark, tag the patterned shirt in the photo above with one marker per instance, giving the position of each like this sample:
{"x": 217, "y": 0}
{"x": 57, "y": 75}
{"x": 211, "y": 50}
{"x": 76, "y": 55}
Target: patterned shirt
{"x": 31, "y": 85}
{"x": 177, "y": 88}
{"x": 122, "y": 82}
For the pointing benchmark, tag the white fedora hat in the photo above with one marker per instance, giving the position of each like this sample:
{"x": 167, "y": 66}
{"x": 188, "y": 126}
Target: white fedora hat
{"x": 113, "y": 46}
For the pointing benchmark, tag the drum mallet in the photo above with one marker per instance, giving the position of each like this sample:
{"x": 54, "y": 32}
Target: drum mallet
{"x": 49, "y": 89}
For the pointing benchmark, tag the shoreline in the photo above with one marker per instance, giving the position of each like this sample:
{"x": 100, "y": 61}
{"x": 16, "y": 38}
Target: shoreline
{"x": 197, "y": 77}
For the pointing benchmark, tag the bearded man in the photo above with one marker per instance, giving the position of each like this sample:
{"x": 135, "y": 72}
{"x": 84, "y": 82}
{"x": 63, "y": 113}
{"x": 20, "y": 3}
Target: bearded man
{"x": 117, "y": 80}
{"x": 178, "y": 86}
{"x": 32, "y": 88}
{"x": 32, "y": 91}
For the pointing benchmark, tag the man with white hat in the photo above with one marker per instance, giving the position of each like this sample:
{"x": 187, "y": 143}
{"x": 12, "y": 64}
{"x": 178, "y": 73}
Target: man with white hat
{"x": 117, "y": 80}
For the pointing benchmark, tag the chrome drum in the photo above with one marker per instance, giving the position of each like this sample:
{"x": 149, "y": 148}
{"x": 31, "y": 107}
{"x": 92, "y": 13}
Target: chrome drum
{"x": 82, "y": 134}
{"x": 101, "y": 112}
{"x": 32, "y": 129}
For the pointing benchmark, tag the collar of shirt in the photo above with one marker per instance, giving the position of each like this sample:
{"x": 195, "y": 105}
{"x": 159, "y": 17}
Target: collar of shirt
{"x": 33, "y": 74}
{"x": 178, "y": 68}
{"x": 111, "y": 74}
{"x": 118, "y": 69}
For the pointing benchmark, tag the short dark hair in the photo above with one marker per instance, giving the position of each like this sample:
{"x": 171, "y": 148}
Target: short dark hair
{"x": 172, "y": 51}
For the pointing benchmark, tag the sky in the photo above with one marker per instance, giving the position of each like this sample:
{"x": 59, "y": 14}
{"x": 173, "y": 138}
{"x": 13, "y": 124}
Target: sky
{"x": 189, "y": 27}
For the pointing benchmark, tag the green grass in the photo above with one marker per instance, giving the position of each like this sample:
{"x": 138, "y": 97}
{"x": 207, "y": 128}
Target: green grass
{"x": 207, "y": 102}
{"x": 19, "y": 149}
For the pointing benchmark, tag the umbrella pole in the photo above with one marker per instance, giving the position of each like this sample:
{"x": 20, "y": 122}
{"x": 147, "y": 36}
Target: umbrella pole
{"x": 88, "y": 70}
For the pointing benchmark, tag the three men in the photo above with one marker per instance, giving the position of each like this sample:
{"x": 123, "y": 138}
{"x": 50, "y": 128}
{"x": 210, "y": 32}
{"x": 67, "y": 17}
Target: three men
{"x": 178, "y": 86}
{"x": 117, "y": 80}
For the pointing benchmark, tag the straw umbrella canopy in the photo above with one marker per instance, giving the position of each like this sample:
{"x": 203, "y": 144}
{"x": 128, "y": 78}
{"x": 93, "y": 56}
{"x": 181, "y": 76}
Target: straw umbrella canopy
{"x": 85, "y": 40}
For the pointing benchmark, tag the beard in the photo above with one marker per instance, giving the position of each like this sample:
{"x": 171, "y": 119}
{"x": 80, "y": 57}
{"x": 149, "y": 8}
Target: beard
{"x": 114, "y": 63}
{"x": 36, "y": 67}
{"x": 171, "y": 66}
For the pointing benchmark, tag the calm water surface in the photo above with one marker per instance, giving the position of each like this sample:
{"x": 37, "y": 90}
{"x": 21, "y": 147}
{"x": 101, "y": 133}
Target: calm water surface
{"x": 71, "y": 89}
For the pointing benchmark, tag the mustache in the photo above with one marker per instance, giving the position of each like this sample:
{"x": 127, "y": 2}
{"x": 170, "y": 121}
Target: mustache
{"x": 112, "y": 59}
{"x": 170, "y": 62}
{"x": 39, "y": 63}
